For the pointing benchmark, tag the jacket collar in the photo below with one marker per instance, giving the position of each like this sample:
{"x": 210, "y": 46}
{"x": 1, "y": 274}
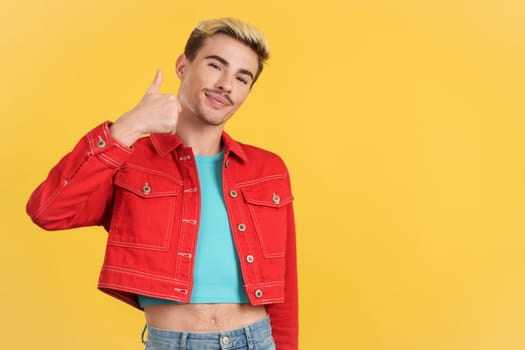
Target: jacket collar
{"x": 165, "y": 143}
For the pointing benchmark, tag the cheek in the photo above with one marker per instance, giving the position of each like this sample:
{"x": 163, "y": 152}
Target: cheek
{"x": 187, "y": 95}
{"x": 190, "y": 87}
{"x": 240, "y": 97}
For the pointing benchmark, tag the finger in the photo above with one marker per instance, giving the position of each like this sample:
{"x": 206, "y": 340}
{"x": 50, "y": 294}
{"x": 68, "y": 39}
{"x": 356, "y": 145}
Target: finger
{"x": 180, "y": 103}
{"x": 179, "y": 100}
{"x": 175, "y": 104}
{"x": 155, "y": 85}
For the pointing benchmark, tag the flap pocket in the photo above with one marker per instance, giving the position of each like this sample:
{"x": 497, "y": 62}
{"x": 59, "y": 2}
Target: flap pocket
{"x": 147, "y": 183}
{"x": 267, "y": 203}
{"x": 270, "y": 193}
{"x": 145, "y": 205}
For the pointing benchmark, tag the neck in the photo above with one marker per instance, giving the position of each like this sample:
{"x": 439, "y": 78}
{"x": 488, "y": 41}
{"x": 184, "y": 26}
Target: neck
{"x": 205, "y": 140}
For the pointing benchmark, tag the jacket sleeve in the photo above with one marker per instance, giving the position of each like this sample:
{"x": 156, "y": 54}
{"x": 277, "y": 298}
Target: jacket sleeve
{"x": 79, "y": 188}
{"x": 284, "y": 316}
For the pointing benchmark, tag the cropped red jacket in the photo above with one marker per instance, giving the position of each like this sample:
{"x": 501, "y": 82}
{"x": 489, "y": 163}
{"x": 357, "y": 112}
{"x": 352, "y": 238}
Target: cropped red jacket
{"x": 147, "y": 198}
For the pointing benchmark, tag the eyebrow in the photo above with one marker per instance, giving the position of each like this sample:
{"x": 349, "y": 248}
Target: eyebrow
{"x": 224, "y": 62}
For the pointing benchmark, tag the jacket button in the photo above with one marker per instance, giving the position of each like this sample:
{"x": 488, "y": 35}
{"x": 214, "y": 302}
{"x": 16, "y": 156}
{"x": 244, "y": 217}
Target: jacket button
{"x": 101, "y": 143}
{"x": 258, "y": 293}
{"x": 250, "y": 259}
{"x": 146, "y": 189}
{"x": 241, "y": 227}
{"x": 227, "y": 163}
{"x": 276, "y": 199}
{"x": 233, "y": 193}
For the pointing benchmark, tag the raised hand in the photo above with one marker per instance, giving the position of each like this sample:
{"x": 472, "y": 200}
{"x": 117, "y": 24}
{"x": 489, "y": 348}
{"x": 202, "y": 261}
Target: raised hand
{"x": 155, "y": 113}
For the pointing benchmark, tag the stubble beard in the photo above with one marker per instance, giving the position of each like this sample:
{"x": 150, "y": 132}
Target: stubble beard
{"x": 207, "y": 117}
{"x": 197, "y": 109}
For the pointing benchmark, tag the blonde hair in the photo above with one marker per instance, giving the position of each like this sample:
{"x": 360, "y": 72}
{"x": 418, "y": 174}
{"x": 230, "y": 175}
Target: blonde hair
{"x": 235, "y": 28}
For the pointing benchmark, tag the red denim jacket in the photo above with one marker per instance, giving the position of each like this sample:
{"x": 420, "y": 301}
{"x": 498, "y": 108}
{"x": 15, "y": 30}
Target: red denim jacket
{"x": 147, "y": 198}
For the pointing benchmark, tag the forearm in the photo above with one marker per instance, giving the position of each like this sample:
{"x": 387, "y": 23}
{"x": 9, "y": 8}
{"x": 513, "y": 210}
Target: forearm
{"x": 78, "y": 188}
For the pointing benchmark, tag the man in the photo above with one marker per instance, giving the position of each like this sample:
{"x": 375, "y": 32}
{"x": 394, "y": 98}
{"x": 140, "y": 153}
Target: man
{"x": 201, "y": 227}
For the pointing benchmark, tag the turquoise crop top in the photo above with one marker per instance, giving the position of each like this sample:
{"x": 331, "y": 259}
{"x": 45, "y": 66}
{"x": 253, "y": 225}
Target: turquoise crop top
{"x": 217, "y": 274}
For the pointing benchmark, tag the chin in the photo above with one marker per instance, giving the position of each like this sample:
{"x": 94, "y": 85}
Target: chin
{"x": 214, "y": 119}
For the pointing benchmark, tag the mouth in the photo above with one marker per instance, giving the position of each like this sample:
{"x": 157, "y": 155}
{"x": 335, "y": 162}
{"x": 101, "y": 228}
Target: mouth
{"x": 218, "y": 99}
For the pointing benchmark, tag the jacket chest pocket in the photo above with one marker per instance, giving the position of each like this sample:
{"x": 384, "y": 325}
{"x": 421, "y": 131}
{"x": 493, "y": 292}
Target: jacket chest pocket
{"x": 268, "y": 206}
{"x": 144, "y": 208}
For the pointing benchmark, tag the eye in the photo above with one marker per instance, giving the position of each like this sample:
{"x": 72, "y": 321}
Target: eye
{"x": 242, "y": 80}
{"x": 214, "y": 66}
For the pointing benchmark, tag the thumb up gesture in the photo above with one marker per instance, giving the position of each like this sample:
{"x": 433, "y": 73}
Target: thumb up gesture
{"x": 155, "y": 113}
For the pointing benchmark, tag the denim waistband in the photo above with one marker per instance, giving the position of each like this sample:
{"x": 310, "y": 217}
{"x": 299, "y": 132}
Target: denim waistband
{"x": 241, "y": 337}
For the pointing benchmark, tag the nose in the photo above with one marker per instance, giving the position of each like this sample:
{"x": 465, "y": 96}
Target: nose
{"x": 224, "y": 82}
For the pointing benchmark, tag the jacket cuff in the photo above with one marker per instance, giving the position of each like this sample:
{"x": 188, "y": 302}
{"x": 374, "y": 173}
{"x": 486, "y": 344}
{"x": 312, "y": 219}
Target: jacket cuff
{"x": 107, "y": 148}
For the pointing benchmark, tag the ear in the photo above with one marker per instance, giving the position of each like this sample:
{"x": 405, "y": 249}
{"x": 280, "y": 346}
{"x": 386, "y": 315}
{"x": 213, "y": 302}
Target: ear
{"x": 180, "y": 66}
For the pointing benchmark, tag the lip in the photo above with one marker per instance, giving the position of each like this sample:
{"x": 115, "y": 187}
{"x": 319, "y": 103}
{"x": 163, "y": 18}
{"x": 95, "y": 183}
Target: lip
{"x": 216, "y": 99}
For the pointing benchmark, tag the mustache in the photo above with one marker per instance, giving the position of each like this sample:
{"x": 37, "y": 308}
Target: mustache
{"x": 221, "y": 94}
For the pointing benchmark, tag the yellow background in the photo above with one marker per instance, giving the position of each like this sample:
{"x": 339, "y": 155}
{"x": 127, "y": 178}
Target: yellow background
{"x": 401, "y": 122}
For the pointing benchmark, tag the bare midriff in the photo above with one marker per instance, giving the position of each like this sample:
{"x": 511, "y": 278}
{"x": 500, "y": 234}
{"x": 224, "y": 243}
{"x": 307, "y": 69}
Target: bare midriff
{"x": 202, "y": 317}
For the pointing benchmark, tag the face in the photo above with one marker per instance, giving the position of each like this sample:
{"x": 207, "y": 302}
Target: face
{"x": 216, "y": 83}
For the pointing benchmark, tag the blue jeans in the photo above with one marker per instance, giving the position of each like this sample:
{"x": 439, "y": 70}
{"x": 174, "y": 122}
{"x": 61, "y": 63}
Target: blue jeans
{"x": 256, "y": 336}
